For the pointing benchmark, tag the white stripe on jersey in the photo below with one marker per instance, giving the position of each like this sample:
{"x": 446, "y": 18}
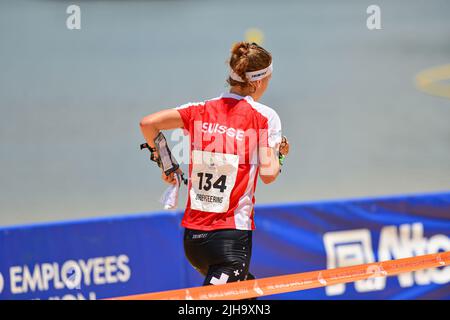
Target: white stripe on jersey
{"x": 245, "y": 205}
{"x": 273, "y": 120}
{"x": 189, "y": 104}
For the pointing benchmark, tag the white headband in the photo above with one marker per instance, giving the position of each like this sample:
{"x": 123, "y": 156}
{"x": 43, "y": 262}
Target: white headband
{"x": 252, "y": 75}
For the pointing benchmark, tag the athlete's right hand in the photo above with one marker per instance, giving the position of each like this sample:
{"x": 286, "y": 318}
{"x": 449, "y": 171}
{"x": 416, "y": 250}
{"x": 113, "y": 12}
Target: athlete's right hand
{"x": 170, "y": 179}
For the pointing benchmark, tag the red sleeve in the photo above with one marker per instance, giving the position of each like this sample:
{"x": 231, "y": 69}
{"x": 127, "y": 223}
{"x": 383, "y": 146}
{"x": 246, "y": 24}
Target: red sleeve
{"x": 185, "y": 114}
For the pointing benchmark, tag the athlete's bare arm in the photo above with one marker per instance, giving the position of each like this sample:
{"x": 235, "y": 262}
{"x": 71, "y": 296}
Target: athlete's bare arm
{"x": 269, "y": 165}
{"x": 152, "y": 124}
{"x": 270, "y": 162}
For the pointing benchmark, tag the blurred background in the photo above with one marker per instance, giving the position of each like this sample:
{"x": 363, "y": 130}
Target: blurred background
{"x": 71, "y": 100}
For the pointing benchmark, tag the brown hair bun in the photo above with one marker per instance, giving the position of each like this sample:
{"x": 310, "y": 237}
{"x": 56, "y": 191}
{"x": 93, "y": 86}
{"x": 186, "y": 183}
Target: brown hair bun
{"x": 246, "y": 57}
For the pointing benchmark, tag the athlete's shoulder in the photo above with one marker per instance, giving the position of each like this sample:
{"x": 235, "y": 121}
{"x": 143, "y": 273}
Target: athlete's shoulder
{"x": 190, "y": 104}
{"x": 196, "y": 104}
{"x": 267, "y": 112}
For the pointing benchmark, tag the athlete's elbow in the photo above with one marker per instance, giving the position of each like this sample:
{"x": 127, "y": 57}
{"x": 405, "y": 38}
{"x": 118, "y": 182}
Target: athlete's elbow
{"x": 269, "y": 173}
{"x": 267, "y": 179}
{"x": 147, "y": 121}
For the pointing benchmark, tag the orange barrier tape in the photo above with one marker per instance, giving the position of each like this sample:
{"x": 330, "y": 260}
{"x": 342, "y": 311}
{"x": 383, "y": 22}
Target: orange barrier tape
{"x": 299, "y": 281}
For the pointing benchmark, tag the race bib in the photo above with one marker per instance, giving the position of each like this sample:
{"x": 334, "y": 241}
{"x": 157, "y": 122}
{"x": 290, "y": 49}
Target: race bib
{"x": 212, "y": 180}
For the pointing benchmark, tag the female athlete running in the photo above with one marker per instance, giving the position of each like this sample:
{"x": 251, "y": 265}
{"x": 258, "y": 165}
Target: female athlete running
{"x": 234, "y": 138}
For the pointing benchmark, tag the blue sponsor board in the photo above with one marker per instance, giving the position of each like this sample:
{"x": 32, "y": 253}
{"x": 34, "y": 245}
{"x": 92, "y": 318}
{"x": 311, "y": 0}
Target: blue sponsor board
{"x": 108, "y": 257}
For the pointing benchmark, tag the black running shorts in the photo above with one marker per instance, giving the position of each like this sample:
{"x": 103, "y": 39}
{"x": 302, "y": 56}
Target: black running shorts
{"x": 220, "y": 255}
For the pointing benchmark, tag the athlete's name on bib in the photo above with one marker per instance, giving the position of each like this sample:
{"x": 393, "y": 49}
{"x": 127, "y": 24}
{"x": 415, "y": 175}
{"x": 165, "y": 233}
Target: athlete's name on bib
{"x": 221, "y": 129}
{"x": 206, "y": 198}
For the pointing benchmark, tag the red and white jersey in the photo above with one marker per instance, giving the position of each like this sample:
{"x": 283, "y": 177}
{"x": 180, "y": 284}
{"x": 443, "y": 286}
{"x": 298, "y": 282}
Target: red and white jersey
{"x": 225, "y": 134}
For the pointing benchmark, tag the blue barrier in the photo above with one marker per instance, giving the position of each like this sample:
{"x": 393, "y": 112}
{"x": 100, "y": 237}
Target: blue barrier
{"x": 131, "y": 254}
